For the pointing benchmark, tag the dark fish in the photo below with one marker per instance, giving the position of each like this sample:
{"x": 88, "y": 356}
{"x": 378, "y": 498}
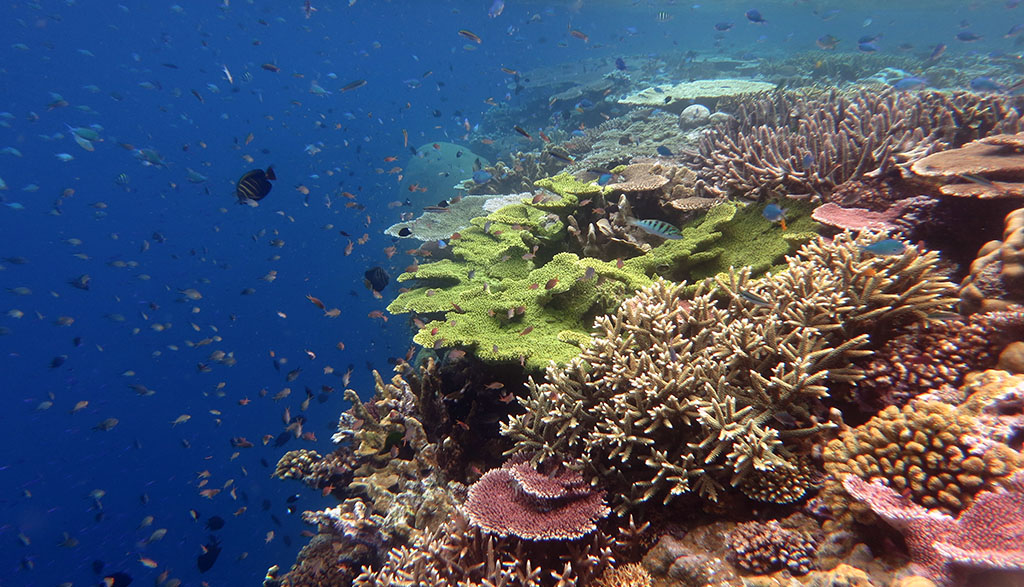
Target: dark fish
{"x": 404, "y": 231}
{"x": 81, "y": 282}
{"x": 377, "y": 279}
{"x": 867, "y": 47}
{"x": 753, "y": 298}
{"x": 664, "y": 151}
{"x": 58, "y": 361}
{"x": 353, "y": 85}
{"x": 755, "y": 17}
{"x": 470, "y": 35}
{"x": 967, "y": 36}
{"x": 210, "y": 553}
{"x": 723, "y": 26}
{"x": 937, "y": 52}
{"x": 255, "y": 185}
{"x": 620, "y": 64}
{"x": 214, "y": 523}
{"x": 519, "y": 130}
{"x": 561, "y": 157}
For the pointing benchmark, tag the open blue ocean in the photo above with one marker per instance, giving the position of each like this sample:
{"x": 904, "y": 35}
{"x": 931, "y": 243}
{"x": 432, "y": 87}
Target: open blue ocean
{"x": 194, "y": 268}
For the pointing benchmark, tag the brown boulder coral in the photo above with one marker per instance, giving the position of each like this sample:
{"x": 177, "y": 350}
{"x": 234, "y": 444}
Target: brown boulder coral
{"x": 996, "y": 278}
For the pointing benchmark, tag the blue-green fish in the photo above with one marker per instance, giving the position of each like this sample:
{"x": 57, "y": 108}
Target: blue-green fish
{"x": 887, "y": 247}
{"x": 658, "y": 228}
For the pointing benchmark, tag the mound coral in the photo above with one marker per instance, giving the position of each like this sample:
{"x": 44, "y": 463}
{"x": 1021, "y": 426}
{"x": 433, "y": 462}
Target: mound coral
{"x": 761, "y": 548}
{"x": 925, "y": 449}
{"x": 996, "y": 278}
{"x": 681, "y": 393}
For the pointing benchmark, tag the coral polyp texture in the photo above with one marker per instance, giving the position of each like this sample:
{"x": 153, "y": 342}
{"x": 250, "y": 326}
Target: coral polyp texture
{"x": 694, "y": 393}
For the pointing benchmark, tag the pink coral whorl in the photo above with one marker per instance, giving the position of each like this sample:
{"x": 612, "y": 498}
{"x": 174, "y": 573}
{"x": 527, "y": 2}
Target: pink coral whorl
{"x": 498, "y": 504}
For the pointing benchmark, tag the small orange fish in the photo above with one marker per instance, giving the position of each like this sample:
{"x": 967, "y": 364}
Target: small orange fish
{"x": 348, "y": 248}
{"x": 378, "y": 314}
{"x": 148, "y": 562}
{"x": 405, "y": 138}
{"x": 526, "y": 331}
{"x": 209, "y": 493}
{"x": 544, "y": 137}
{"x": 316, "y": 301}
{"x": 551, "y": 283}
{"x": 271, "y": 67}
{"x": 390, "y": 158}
{"x": 580, "y": 35}
{"x": 487, "y": 141}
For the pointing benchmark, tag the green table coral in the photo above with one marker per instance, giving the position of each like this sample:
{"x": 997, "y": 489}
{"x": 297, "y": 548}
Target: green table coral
{"x": 509, "y": 294}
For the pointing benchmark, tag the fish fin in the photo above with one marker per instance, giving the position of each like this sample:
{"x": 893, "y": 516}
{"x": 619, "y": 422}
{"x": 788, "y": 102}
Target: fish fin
{"x": 270, "y": 173}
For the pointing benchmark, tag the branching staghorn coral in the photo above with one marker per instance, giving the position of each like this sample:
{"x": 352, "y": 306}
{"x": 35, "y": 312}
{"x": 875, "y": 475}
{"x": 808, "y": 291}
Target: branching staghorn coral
{"x": 801, "y": 143}
{"x": 679, "y": 393}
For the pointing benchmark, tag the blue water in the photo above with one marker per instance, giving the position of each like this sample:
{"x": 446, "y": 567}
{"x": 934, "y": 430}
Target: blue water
{"x": 131, "y": 68}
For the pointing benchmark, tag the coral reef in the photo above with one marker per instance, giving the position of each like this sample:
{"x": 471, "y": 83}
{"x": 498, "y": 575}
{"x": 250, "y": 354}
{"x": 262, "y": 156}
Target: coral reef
{"x": 994, "y": 163}
{"x": 936, "y": 355}
{"x": 996, "y": 401}
{"x": 761, "y": 548}
{"x": 680, "y": 393}
{"x": 838, "y": 137}
{"x": 629, "y": 575}
{"x": 460, "y": 554}
{"x": 501, "y": 299}
{"x": 984, "y": 536}
{"x": 518, "y": 500}
{"x": 928, "y": 450}
{"x": 691, "y": 561}
{"x": 996, "y": 278}
{"x": 676, "y": 97}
